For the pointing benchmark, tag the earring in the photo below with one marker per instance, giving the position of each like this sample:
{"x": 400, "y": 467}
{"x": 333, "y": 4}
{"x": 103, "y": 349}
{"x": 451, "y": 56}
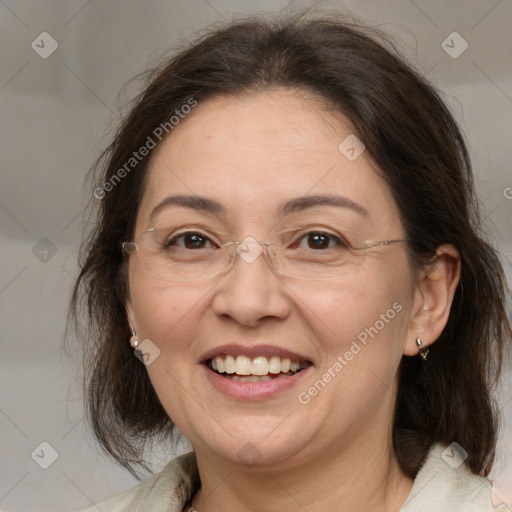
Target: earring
{"x": 423, "y": 350}
{"x": 134, "y": 342}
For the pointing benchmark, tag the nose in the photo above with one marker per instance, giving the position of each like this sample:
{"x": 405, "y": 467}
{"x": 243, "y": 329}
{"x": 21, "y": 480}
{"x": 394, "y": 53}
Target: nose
{"x": 251, "y": 291}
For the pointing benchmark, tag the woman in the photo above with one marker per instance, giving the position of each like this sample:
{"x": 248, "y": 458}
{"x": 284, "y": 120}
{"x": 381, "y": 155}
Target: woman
{"x": 288, "y": 243}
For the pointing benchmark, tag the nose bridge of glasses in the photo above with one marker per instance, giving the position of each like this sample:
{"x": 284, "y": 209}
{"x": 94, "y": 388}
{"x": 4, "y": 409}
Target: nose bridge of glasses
{"x": 249, "y": 249}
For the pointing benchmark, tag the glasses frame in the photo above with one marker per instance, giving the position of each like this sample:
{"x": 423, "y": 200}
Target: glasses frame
{"x": 131, "y": 247}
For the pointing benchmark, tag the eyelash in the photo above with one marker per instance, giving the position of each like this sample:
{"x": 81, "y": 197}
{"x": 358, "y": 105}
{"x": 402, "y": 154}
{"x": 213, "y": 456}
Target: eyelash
{"x": 339, "y": 241}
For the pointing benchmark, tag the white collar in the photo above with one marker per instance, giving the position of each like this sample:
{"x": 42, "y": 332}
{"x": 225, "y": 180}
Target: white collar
{"x": 438, "y": 487}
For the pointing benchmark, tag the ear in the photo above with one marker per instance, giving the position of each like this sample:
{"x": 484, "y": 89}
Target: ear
{"x": 432, "y": 298}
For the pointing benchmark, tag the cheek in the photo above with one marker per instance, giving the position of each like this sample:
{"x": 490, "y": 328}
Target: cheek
{"x": 165, "y": 313}
{"x": 359, "y": 326}
{"x": 365, "y": 314}
{"x": 170, "y": 317}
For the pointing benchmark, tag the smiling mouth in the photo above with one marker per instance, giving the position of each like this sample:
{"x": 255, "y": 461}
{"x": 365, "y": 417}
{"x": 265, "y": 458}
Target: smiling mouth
{"x": 259, "y": 369}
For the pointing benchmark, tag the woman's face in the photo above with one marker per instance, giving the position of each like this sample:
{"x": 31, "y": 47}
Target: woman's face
{"x": 265, "y": 163}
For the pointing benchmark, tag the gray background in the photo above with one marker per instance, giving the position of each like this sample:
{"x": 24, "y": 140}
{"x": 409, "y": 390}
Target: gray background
{"x": 56, "y": 115}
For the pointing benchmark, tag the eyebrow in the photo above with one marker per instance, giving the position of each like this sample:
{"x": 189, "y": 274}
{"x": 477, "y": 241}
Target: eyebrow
{"x": 194, "y": 202}
{"x": 307, "y": 202}
{"x": 291, "y": 206}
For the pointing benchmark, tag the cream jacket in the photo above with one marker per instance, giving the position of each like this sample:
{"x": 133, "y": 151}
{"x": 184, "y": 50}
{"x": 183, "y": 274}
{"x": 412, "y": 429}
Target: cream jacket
{"x": 438, "y": 488}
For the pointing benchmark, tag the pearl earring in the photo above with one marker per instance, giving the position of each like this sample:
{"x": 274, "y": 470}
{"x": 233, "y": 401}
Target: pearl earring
{"x": 423, "y": 350}
{"x": 134, "y": 342}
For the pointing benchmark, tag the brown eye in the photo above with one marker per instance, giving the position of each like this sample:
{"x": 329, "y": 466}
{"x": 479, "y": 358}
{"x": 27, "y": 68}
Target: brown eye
{"x": 190, "y": 240}
{"x": 319, "y": 241}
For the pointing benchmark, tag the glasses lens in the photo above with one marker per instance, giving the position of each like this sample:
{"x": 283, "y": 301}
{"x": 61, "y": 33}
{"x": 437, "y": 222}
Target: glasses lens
{"x": 313, "y": 264}
{"x": 189, "y": 256}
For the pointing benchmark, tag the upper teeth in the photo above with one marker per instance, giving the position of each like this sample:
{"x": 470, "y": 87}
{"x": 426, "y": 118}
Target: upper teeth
{"x": 261, "y": 365}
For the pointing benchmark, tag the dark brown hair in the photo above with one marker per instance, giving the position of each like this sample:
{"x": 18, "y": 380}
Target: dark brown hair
{"x": 415, "y": 142}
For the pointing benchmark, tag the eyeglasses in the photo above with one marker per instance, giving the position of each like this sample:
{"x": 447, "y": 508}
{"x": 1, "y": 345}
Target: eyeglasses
{"x": 190, "y": 255}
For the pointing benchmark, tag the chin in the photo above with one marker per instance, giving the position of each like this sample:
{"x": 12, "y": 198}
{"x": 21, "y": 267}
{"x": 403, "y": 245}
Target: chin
{"x": 262, "y": 447}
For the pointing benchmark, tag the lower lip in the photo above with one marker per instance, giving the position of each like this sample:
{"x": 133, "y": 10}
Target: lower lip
{"x": 254, "y": 390}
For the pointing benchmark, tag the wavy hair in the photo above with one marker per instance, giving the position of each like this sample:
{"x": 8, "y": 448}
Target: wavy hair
{"x": 415, "y": 142}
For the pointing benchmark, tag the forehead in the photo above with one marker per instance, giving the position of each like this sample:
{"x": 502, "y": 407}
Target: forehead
{"x": 252, "y": 153}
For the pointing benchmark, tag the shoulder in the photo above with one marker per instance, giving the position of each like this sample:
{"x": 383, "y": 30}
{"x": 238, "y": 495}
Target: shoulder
{"x": 446, "y": 484}
{"x": 167, "y": 491}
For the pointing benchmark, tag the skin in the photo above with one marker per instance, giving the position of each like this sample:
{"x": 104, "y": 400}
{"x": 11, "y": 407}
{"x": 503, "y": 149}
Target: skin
{"x": 251, "y": 153}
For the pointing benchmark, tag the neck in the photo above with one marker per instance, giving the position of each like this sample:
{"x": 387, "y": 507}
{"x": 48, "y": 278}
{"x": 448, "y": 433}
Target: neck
{"x": 344, "y": 479}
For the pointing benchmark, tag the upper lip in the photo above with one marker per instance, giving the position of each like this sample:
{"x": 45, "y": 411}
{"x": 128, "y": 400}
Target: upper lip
{"x": 252, "y": 352}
